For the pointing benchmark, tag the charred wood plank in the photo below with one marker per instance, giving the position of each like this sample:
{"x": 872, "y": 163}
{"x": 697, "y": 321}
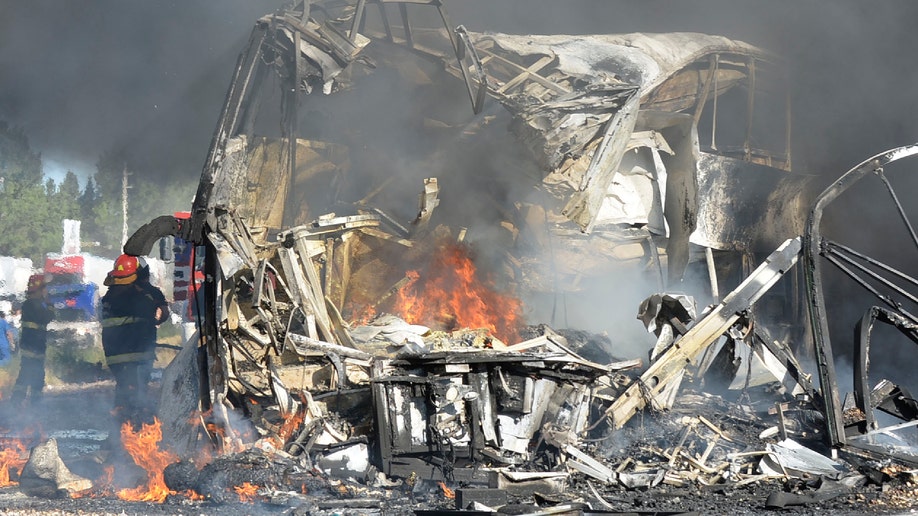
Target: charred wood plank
{"x": 297, "y": 267}
{"x": 582, "y": 207}
{"x": 345, "y": 276}
{"x": 338, "y": 324}
{"x": 400, "y": 229}
{"x": 382, "y": 235}
{"x": 317, "y": 296}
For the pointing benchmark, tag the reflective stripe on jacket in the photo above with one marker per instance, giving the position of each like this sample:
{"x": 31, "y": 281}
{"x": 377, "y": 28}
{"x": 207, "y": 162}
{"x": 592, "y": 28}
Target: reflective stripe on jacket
{"x": 128, "y": 319}
{"x": 36, "y": 314}
{"x": 130, "y": 357}
{"x": 108, "y": 322}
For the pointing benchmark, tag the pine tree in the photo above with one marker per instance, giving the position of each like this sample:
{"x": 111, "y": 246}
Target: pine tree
{"x": 23, "y": 200}
{"x": 68, "y": 197}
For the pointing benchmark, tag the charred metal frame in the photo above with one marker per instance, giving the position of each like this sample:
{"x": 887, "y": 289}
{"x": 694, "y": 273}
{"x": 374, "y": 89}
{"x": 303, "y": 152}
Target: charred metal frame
{"x": 445, "y": 415}
{"x": 817, "y": 249}
{"x": 710, "y": 81}
{"x": 864, "y": 400}
{"x": 215, "y": 225}
{"x": 262, "y": 52}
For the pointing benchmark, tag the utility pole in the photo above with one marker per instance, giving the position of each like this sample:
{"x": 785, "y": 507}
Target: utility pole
{"x": 124, "y": 205}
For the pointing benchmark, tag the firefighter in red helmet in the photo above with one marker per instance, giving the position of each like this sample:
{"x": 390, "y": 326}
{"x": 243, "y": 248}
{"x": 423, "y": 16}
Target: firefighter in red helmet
{"x": 37, "y": 312}
{"x": 132, "y": 308}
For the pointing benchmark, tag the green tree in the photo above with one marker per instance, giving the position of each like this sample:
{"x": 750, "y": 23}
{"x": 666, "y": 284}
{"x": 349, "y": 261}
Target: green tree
{"x": 107, "y": 218}
{"x": 19, "y": 166}
{"x": 27, "y": 229}
{"x": 109, "y": 171}
{"x": 67, "y": 197}
{"x": 25, "y": 217}
{"x": 147, "y": 199}
{"x": 33, "y": 206}
{"x": 87, "y": 202}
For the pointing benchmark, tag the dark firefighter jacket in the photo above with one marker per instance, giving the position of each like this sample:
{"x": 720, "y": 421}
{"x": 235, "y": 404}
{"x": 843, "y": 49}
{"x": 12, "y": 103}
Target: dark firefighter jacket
{"x": 33, "y": 339}
{"x": 129, "y": 321}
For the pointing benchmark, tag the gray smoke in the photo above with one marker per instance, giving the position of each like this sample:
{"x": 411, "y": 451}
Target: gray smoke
{"x": 82, "y": 77}
{"x": 85, "y": 77}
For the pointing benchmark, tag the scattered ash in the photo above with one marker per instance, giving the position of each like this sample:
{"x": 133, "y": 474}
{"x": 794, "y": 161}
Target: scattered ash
{"x": 724, "y": 436}
{"x": 591, "y": 346}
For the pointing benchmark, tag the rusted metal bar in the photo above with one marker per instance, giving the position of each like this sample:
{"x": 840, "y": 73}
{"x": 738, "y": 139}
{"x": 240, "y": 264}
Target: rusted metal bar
{"x": 863, "y": 398}
{"x": 468, "y": 58}
{"x": 699, "y": 106}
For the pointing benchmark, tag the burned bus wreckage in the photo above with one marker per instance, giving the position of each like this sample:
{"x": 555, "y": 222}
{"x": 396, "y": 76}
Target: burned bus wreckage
{"x": 396, "y": 212}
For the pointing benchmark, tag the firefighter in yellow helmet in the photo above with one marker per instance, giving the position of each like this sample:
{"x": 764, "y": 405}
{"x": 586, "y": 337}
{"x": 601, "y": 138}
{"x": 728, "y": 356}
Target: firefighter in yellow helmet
{"x": 37, "y": 312}
{"x": 132, "y": 308}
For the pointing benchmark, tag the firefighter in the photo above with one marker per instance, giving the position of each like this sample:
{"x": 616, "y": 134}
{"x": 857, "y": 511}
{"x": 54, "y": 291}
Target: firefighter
{"x": 37, "y": 312}
{"x": 132, "y": 309}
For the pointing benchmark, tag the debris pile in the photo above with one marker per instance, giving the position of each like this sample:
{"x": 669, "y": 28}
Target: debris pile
{"x": 362, "y": 343}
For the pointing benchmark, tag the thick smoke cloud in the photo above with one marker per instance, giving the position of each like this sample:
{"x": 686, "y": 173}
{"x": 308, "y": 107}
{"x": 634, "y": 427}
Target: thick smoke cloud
{"x": 148, "y": 78}
{"x": 82, "y": 77}
{"x": 849, "y": 59}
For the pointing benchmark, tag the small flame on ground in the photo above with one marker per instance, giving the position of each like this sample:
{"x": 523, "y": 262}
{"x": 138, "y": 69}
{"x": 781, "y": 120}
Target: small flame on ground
{"x": 246, "y": 492}
{"x": 363, "y": 315}
{"x": 447, "y": 492}
{"x": 13, "y": 456}
{"x": 143, "y": 447}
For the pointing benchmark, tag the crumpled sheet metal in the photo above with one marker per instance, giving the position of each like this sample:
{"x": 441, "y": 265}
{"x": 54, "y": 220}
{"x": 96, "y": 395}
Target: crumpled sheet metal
{"x": 391, "y": 329}
{"x": 679, "y": 306}
{"x": 638, "y": 58}
{"x": 788, "y": 457}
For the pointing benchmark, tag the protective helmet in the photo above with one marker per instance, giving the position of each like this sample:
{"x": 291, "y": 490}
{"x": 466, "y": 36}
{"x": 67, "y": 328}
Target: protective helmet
{"x": 125, "y": 265}
{"x": 36, "y": 282}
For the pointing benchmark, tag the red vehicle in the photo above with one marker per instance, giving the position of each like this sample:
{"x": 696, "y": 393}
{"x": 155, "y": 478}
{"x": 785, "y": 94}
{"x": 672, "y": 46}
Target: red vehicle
{"x": 74, "y": 298}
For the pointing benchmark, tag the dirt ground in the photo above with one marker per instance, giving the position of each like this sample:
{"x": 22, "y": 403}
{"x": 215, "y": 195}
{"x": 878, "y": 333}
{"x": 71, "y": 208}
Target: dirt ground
{"x": 77, "y": 415}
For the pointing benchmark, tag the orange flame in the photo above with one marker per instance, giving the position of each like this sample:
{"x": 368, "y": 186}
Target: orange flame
{"x": 452, "y": 296}
{"x": 193, "y": 495}
{"x": 13, "y": 456}
{"x": 143, "y": 447}
{"x": 360, "y": 315}
{"x": 246, "y": 492}
{"x": 447, "y": 492}
{"x": 288, "y": 427}
{"x": 224, "y": 440}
